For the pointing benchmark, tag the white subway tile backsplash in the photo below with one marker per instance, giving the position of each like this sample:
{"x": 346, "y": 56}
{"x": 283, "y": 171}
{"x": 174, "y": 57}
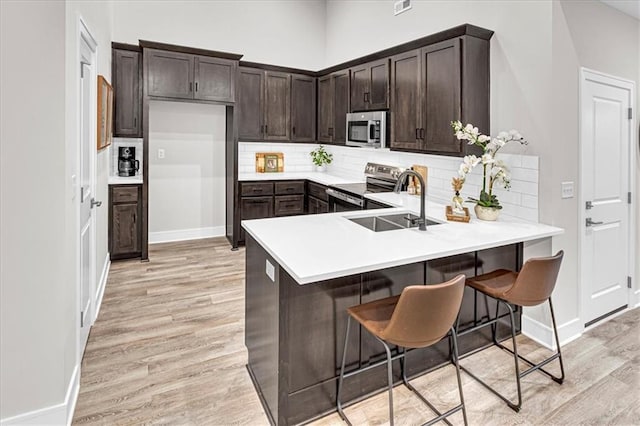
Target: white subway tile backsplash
{"x": 348, "y": 162}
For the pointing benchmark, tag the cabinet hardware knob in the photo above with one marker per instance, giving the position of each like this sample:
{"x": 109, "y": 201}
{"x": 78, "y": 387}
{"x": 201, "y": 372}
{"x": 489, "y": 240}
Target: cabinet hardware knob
{"x": 294, "y": 130}
{"x": 190, "y": 87}
{"x": 196, "y": 86}
{"x": 417, "y": 133}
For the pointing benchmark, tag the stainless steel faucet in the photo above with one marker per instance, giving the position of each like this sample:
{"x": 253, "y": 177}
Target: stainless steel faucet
{"x": 422, "y": 220}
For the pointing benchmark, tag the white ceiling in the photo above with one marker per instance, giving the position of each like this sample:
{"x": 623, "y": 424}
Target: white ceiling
{"x": 630, "y": 7}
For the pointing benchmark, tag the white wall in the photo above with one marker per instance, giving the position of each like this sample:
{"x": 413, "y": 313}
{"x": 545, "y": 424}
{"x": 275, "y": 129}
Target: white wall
{"x": 286, "y": 33}
{"x": 39, "y": 323}
{"x": 187, "y": 187}
{"x": 33, "y": 276}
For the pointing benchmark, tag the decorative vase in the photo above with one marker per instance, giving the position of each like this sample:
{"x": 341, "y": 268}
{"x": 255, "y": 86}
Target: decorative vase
{"x": 321, "y": 169}
{"x": 486, "y": 213}
{"x": 456, "y": 204}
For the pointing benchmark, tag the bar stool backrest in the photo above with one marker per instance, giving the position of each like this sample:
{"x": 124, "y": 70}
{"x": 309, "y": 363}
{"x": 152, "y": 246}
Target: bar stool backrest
{"x": 424, "y": 314}
{"x": 535, "y": 281}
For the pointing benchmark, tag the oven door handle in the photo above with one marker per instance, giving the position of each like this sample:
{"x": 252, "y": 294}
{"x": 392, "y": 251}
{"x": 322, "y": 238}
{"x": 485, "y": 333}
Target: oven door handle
{"x": 344, "y": 197}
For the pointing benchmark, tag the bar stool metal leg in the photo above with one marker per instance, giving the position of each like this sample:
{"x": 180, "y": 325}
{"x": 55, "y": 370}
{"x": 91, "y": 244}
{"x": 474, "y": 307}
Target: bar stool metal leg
{"x": 389, "y": 378}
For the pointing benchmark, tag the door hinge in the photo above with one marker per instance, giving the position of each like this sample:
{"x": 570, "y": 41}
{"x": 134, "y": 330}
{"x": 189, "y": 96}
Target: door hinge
{"x": 630, "y": 113}
{"x": 628, "y": 197}
{"x": 629, "y": 282}
{"x": 81, "y": 319}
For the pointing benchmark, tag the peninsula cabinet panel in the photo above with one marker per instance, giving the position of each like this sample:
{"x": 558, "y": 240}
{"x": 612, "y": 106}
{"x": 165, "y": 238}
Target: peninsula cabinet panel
{"x": 406, "y": 101}
{"x": 370, "y": 86}
{"x": 277, "y": 121}
{"x": 127, "y": 93}
{"x": 250, "y": 104}
{"x": 442, "y": 96}
{"x": 214, "y": 79}
{"x": 170, "y": 74}
{"x": 303, "y": 108}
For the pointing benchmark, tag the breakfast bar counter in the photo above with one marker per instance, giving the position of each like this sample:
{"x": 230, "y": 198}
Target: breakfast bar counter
{"x": 303, "y": 272}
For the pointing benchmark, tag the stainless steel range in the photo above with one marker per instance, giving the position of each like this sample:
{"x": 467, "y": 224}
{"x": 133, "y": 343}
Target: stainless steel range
{"x": 350, "y": 196}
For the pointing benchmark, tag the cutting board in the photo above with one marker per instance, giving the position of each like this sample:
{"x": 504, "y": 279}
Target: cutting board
{"x": 424, "y": 172}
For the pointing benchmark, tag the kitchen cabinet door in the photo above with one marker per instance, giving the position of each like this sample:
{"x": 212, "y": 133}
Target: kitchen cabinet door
{"x": 378, "y": 93}
{"x": 303, "y": 108}
{"x": 442, "y": 96}
{"x": 406, "y": 101}
{"x": 126, "y": 229}
{"x": 250, "y": 104}
{"x": 360, "y": 77}
{"x": 370, "y": 86}
{"x": 277, "y": 113}
{"x": 255, "y": 208}
{"x": 341, "y": 94}
{"x": 215, "y": 79}
{"x": 127, "y": 93}
{"x": 325, "y": 108}
{"x": 170, "y": 74}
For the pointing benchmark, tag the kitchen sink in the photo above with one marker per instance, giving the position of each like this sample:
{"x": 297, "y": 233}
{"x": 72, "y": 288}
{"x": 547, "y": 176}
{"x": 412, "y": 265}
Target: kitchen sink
{"x": 390, "y": 222}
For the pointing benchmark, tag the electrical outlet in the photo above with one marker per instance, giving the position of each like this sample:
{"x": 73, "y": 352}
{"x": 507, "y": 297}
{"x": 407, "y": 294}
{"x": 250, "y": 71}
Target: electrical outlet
{"x": 270, "y": 270}
{"x": 567, "y": 189}
{"x": 161, "y": 153}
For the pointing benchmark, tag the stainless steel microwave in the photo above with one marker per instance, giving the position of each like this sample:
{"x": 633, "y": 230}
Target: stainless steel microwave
{"x": 367, "y": 129}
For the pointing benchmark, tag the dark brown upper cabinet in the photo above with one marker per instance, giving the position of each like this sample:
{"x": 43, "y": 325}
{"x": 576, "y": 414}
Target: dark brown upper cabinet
{"x": 186, "y": 76}
{"x": 128, "y": 94}
{"x": 277, "y": 106}
{"x": 333, "y": 106}
{"x": 250, "y": 104}
{"x": 303, "y": 108}
{"x": 426, "y": 95}
{"x": 370, "y": 86}
{"x": 215, "y": 79}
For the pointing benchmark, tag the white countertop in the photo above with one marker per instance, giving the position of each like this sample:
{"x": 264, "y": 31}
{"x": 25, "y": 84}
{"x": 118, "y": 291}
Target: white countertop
{"x": 321, "y": 178}
{"x": 323, "y": 246}
{"x": 122, "y": 180}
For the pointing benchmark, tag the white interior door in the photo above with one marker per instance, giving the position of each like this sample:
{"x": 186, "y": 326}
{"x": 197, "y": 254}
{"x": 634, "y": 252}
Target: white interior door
{"x": 605, "y": 151}
{"x": 86, "y": 173}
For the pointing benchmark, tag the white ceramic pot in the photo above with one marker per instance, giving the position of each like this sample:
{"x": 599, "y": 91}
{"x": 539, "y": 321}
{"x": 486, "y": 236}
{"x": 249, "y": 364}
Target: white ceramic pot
{"x": 486, "y": 213}
{"x": 321, "y": 169}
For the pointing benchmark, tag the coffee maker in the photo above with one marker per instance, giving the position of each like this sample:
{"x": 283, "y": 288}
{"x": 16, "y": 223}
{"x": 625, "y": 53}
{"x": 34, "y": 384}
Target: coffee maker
{"x": 127, "y": 163}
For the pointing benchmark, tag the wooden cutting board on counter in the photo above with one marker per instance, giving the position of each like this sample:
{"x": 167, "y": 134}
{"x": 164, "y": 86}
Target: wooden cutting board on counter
{"x": 424, "y": 172}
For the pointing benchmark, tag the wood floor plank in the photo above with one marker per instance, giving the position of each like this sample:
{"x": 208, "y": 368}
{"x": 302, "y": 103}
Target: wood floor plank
{"x": 168, "y": 348}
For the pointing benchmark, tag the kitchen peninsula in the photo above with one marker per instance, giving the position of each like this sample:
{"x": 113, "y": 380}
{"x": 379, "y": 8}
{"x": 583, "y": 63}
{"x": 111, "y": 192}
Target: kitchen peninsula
{"x": 302, "y": 272}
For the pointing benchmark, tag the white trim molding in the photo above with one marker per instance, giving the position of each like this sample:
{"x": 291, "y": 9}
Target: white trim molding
{"x": 102, "y": 285}
{"x": 186, "y": 234}
{"x": 543, "y": 334}
{"x": 58, "y": 414}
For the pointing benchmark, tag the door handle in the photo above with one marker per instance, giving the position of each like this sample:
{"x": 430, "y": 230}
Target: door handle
{"x": 590, "y": 222}
{"x": 95, "y": 203}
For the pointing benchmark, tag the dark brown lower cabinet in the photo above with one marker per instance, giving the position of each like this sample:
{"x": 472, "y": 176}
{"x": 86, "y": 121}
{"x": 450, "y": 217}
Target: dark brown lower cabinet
{"x": 295, "y": 333}
{"x": 125, "y": 231}
{"x": 255, "y": 208}
{"x": 317, "y": 206}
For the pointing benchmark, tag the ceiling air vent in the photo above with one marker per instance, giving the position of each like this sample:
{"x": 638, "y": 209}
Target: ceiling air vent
{"x": 401, "y": 6}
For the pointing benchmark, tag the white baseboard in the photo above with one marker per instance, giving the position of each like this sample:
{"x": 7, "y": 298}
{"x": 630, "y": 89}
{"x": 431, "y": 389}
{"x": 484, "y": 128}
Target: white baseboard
{"x": 58, "y": 414}
{"x": 186, "y": 234}
{"x": 102, "y": 285}
{"x": 543, "y": 334}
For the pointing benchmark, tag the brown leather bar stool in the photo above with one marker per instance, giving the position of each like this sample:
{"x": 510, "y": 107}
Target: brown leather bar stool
{"x": 532, "y": 286}
{"x": 421, "y": 316}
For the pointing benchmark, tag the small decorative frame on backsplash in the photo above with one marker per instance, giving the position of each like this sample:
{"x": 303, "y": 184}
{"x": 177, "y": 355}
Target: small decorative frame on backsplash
{"x": 269, "y": 162}
{"x": 105, "y": 113}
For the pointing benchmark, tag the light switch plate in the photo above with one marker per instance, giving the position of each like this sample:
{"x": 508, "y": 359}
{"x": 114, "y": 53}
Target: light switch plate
{"x": 271, "y": 271}
{"x": 567, "y": 189}
{"x": 161, "y": 153}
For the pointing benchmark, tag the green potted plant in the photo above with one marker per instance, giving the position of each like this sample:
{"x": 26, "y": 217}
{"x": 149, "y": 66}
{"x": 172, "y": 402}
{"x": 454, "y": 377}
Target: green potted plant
{"x": 321, "y": 158}
{"x": 493, "y": 171}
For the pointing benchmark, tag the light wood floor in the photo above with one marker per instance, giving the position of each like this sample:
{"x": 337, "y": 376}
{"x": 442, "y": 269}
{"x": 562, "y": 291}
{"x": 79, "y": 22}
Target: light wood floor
{"x": 168, "y": 348}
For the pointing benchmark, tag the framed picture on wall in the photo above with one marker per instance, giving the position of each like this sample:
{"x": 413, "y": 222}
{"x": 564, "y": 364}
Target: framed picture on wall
{"x": 105, "y": 113}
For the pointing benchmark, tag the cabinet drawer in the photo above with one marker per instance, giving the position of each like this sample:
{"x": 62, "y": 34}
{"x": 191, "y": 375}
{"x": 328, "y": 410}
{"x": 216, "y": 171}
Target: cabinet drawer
{"x": 290, "y": 188}
{"x": 256, "y": 188}
{"x": 318, "y": 191}
{"x": 289, "y": 205}
{"x": 125, "y": 194}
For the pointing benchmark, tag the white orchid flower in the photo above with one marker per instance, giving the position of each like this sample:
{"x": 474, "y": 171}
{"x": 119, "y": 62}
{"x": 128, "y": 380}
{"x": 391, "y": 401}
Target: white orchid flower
{"x": 498, "y": 142}
{"x": 488, "y": 158}
{"x": 503, "y": 135}
{"x": 483, "y": 138}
